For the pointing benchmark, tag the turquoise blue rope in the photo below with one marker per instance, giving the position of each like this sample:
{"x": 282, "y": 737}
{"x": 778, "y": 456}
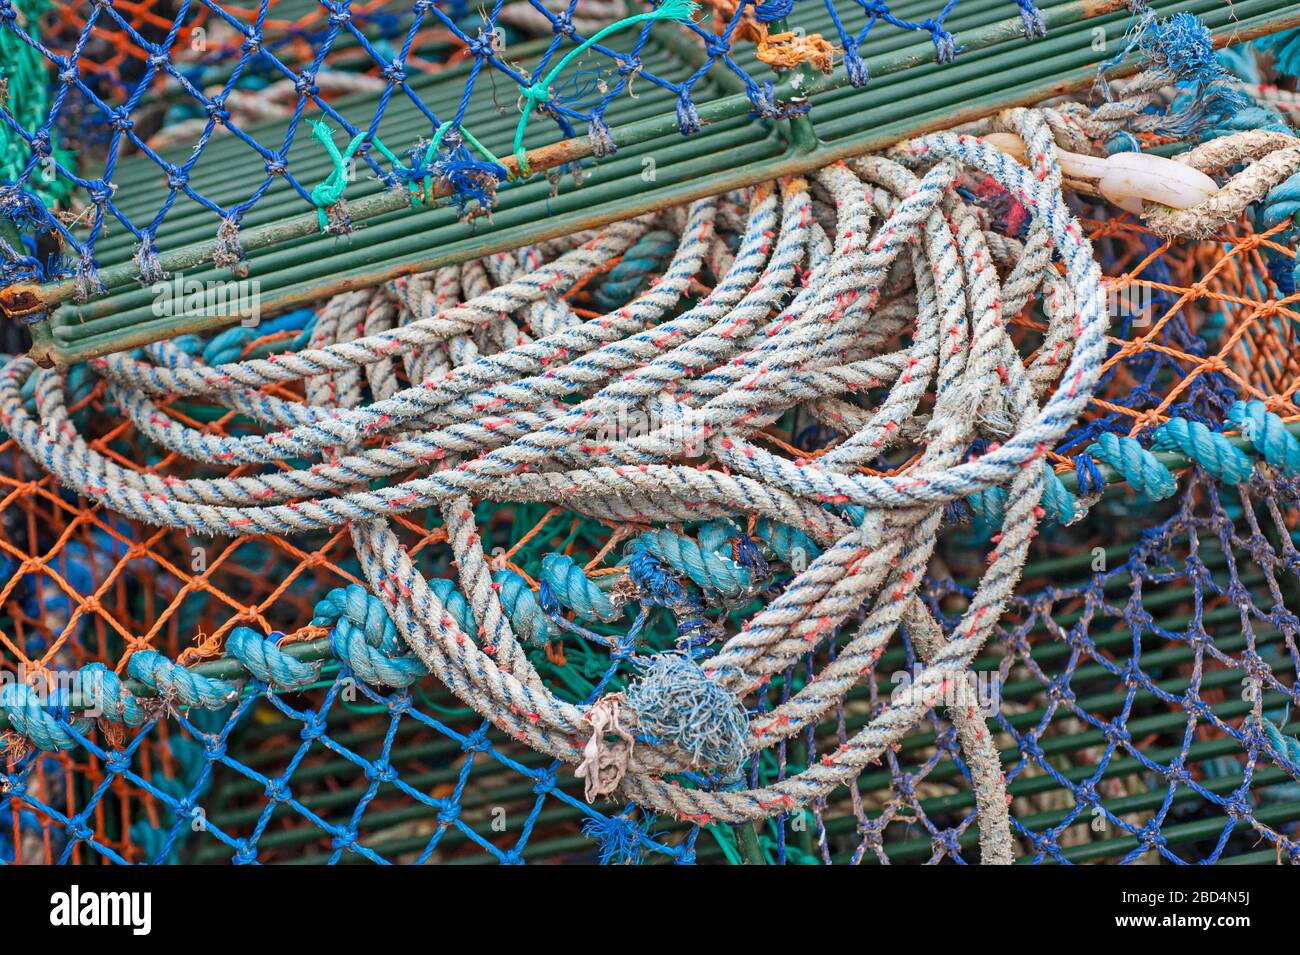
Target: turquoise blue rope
{"x": 172, "y": 681}
{"x": 574, "y": 589}
{"x": 1140, "y": 468}
{"x": 710, "y": 571}
{"x": 263, "y": 658}
{"x": 105, "y": 693}
{"x": 1268, "y": 435}
{"x": 526, "y": 615}
{"x": 1211, "y": 450}
{"x": 454, "y": 602}
{"x": 988, "y": 508}
{"x": 363, "y": 637}
{"x": 793, "y": 546}
{"x": 1058, "y": 504}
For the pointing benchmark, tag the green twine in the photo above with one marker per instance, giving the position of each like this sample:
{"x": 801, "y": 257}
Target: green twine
{"x": 332, "y": 188}
{"x": 680, "y": 11}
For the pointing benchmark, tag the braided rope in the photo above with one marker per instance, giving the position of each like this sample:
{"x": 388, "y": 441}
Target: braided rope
{"x": 791, "y": 321}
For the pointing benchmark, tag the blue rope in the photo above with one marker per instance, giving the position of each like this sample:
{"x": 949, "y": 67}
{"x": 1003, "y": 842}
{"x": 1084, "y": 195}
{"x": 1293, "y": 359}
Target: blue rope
{"x": 527, "y": 616}
{"x": 1268, "y": 434}
{"x": 988, "y": 509}
{"x": 174, "y": 682}
{"x": 710, "y": 571}
{"x": 1059, "y": 505}
{"x": 793, "y": 546}
{"x": 639, "y": 263}
{"x": 1209, "y": 449}
{"x": 106, "y": 693}
{"x": 45, "y": 725}
{"x": 364, "y": 638}
{"x": 263, "y": 658}
{"x": 575, "y": 590}
{"x": 454, "y": 602}
{"x": 1140, "y": 468}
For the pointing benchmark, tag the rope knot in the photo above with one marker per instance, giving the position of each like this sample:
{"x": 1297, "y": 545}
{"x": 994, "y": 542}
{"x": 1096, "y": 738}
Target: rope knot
{"x": 364, "y": 637}
{"x": 537, "y": 94}
{"x": 688, "y": 117}
{"x": 855, "y": 66}
{"x": 945, "y": 46}
{"x": 483, "y": 45}
{"x": 676, "y": 702}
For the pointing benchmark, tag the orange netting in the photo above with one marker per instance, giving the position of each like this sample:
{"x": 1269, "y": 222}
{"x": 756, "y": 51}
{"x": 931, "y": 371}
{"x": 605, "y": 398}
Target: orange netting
{"x": 84, "y": 585}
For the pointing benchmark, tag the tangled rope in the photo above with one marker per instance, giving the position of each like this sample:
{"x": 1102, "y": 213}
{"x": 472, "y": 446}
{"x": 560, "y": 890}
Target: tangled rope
{"x": 876, "y": 277}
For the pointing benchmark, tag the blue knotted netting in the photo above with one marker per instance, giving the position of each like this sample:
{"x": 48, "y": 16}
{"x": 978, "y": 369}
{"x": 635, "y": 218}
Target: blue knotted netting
{"x": 91, "y": 85}
{"x": 1141, "y": 684}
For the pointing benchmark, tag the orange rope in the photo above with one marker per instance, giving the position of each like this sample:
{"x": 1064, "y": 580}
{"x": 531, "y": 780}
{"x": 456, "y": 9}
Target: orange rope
{"x": 781, "y": 51}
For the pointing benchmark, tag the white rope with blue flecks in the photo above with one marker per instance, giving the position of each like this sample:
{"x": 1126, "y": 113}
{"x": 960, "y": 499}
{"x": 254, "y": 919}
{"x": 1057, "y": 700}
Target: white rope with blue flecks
{"x": 803, "y": 316}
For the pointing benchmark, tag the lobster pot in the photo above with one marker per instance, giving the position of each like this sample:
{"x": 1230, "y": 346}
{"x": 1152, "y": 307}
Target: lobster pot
{"x": 1117, "y": 688}
{"x": 649, "y": 432}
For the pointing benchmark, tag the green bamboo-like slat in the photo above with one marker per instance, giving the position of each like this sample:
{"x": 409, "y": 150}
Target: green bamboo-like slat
{"x": 297, "y": 276}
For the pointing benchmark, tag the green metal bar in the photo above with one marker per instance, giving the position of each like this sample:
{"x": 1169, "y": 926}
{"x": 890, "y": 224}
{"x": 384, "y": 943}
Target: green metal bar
{"x": 402, "y": 124}
{"x": 30, "y": 298}
{"x": 398, "y": 238}
{"x": 413, "y": 123}
{"x": 312, "y": 288}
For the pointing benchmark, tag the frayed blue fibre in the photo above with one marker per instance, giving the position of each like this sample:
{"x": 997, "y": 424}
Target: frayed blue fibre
{"x": 469, "y": 179}
{"x": 1180, "y": 48}
{"x": 619, "y": 839}
{"x": 1181, "y": 45}
{"x": 676, "y": 702}
{"x": 653, "y": 581}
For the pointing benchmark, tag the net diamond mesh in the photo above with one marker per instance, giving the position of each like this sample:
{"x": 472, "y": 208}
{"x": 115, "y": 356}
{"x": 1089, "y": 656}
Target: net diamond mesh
{"x": 1128, "y": 666}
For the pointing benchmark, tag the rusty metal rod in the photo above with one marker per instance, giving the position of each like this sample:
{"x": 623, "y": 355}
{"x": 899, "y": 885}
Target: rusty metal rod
{"x": 26, "y": 299}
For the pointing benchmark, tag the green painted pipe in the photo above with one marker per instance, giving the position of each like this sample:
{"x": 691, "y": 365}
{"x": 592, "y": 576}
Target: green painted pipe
{"x": 283, "y": 231}
{"x": 311, "y": 288}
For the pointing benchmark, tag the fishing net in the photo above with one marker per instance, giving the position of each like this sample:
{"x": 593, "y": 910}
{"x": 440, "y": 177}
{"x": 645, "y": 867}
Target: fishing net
{"x": 218, "y": 631}
{"x": 112, "y": 80}
{"x": 1121, "y": 680}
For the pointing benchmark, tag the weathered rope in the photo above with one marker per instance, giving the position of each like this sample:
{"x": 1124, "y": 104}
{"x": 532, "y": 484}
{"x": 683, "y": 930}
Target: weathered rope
{"x": 793, "y": 321}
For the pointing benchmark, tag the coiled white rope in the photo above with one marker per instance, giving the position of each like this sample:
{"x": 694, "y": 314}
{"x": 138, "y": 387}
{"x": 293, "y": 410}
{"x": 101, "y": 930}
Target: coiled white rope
{"x": 902, "y": 293}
